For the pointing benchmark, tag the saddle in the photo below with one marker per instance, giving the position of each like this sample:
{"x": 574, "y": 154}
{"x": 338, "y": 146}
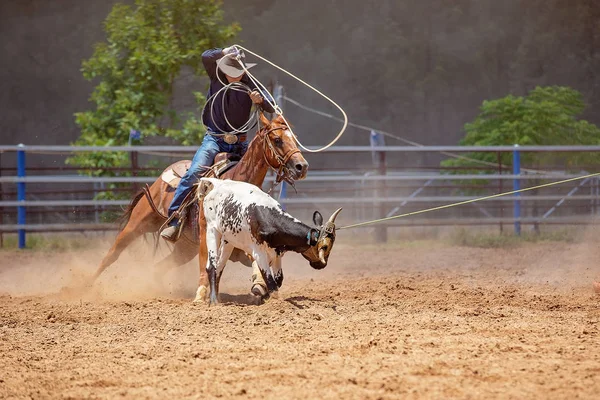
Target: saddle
{"x": 188, "y": 210}
{"x": 223, "y": 163}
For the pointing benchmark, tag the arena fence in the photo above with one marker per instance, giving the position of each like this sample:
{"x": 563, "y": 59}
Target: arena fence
{"x": 368, "y": 181}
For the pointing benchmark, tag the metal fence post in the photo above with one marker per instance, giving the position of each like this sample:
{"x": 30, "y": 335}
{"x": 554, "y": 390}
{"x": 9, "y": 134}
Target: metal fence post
{"x": 134, "y": 170}
{"x": 377, "y": 140}
{"x": 279, "y": 97}
{"x": 500, "y": 189}
{"x": 517, "y": 186}
{"x": 21, "y": 195}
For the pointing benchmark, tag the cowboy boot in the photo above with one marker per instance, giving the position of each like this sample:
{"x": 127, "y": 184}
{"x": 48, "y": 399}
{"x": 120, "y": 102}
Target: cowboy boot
{"x": 170, "y": 233}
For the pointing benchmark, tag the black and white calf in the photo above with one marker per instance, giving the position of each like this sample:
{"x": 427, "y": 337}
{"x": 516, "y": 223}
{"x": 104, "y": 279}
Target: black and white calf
{"x": 241, "y": 216}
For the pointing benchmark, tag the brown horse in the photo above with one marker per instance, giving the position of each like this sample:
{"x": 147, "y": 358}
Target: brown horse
{"x": 272, "y": 147}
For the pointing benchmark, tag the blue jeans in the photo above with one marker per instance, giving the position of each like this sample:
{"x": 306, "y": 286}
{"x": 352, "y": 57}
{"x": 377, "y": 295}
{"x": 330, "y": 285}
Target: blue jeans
{"x": 202, "y": 160}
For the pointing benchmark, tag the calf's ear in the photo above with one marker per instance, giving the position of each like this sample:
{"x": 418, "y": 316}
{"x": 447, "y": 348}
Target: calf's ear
{"x": 317, "y": 218}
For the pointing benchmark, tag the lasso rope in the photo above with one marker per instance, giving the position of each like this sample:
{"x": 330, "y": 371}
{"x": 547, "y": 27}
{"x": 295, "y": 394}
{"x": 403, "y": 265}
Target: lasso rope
{"x": 237, "y": 86}
{"x": 468, "y": 201}
{"x": 278, "y": 110}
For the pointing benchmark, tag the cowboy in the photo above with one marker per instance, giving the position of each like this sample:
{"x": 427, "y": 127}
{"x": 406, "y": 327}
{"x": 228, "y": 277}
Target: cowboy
{"x": 226, "y": 117}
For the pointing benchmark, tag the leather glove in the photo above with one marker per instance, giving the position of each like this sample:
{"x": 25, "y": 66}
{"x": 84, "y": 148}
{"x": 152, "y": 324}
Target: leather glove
{"x": 256, "y": 97}
{"x": 231, "y": 51}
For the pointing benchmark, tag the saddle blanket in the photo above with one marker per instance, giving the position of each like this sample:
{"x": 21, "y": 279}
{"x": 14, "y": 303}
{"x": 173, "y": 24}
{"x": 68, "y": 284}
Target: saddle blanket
{"x": 172, "y": 176}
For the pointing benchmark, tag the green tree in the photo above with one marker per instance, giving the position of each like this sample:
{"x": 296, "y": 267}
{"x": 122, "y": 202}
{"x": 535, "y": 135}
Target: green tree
{"x": 147, "y": 45}
{"x": 545, "y": 116}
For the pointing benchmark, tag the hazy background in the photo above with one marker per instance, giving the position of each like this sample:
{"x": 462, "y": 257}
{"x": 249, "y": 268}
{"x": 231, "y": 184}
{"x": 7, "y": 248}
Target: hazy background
{"x": 416, "y": 68}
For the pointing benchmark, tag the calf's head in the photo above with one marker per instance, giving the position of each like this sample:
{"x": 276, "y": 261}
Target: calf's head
{"x": 321, "y": 241}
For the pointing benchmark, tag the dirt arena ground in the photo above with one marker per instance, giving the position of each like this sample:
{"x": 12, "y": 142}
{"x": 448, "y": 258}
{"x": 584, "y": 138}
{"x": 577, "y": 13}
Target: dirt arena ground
{"x": 405, "y": 320}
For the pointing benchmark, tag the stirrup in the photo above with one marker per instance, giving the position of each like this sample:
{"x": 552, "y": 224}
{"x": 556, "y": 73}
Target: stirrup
{"x": 171, "y": 238}
{"x": 180, "y": 223}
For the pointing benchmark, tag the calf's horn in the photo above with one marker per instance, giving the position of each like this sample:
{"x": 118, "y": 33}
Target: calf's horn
{"x": 334, "y": 215}
{"x": 327, "y": 237}
{"x": 329, "y": 227}
{"x": 322, "y": 256}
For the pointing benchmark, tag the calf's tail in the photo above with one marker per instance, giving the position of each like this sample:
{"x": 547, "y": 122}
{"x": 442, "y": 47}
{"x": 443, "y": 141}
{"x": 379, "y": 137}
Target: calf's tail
{"x": 205, "y": 185}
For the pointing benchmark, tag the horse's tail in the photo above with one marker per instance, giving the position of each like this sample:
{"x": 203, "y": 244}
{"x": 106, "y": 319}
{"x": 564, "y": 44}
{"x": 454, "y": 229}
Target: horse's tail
{"x": 124, "y": 219}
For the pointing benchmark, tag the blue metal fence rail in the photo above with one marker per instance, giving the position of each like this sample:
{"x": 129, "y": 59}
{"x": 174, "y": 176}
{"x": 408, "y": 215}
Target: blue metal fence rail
{"x": 21, "y": 178}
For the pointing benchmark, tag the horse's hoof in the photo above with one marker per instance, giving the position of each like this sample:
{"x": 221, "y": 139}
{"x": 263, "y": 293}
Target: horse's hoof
{"x": 259, "y": 290}
{"x": 201, "y": 295}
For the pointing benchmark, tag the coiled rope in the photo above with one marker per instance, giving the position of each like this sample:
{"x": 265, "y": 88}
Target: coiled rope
{"x": 239, "y": 87}
{"x": 278, "y": 110}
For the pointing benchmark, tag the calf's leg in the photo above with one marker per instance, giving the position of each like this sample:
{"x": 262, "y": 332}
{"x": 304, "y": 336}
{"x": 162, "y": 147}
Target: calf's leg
{"x": 213, "y": 241}
{"x": 225, "y": 250}
{"x": 262, "y": 260}
{"x": 277, "y": 271}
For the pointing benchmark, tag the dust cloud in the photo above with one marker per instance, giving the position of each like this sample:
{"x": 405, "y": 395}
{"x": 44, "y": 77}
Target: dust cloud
{"x": 65, "y": 274}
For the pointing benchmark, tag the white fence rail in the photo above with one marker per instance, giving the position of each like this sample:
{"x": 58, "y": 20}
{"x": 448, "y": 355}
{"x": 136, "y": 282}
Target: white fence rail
{"x": 354, "y": 181}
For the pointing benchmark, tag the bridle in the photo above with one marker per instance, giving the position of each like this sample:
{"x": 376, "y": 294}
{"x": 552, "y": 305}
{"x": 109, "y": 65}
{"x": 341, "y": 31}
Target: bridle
{"x": 282, "y": 170}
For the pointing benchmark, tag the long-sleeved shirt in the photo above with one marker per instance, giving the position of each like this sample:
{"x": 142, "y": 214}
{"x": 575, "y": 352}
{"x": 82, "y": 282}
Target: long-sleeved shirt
{"x": 237, "y": 104}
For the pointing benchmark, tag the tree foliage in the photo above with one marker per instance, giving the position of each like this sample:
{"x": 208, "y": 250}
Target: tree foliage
{"x": 545, "y": 116}
{"x": 146, "y": 47}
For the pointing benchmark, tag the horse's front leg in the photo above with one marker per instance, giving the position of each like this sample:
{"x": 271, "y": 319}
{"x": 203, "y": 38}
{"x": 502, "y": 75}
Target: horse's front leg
{"x": 203, "y": 282}
{"x": 259, "y": 287}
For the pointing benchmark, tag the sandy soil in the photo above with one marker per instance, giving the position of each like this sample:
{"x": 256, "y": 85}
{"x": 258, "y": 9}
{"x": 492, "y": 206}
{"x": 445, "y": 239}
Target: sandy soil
{"x": 405, "y": 320}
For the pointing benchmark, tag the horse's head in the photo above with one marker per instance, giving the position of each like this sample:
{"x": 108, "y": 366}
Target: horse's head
{"x": 281, "y": 150}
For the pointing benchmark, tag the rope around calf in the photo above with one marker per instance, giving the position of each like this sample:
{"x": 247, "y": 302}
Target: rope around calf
{"x": 468, "y": 201}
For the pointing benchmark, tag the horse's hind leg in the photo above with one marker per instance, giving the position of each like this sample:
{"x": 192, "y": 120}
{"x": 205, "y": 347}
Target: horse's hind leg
{"x": 182, "y": 253}
{"x": 259, "y": 287}
{"x": 124, "y": 239}
{"x": 142, "y": 220}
